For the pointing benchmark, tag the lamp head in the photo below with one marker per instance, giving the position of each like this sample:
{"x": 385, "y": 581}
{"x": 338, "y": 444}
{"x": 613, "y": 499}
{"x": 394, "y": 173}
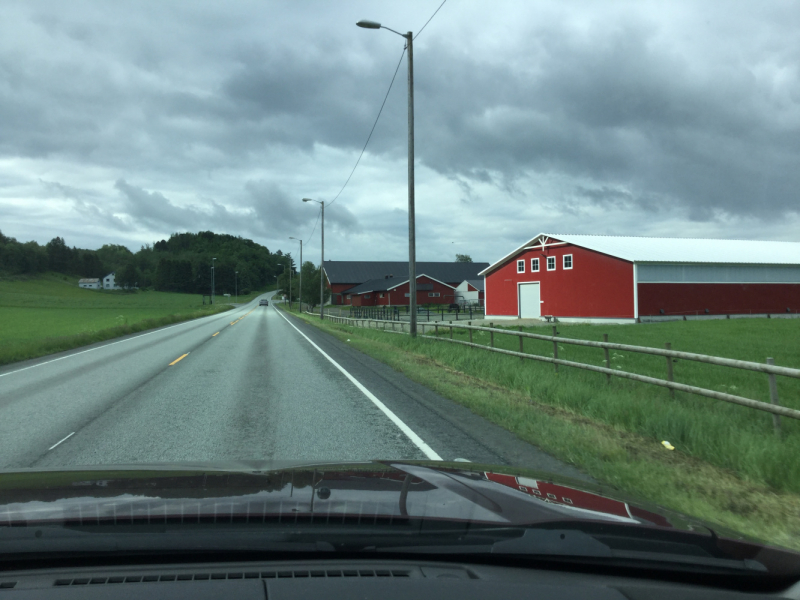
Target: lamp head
{"x": 369, "y": 24}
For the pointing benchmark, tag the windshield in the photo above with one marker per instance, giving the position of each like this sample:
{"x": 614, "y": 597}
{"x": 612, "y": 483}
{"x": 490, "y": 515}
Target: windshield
{"x": 506, "y": 266}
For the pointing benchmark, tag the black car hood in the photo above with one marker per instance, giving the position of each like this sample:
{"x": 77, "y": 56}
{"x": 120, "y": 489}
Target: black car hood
{"x": 428, "y": 491}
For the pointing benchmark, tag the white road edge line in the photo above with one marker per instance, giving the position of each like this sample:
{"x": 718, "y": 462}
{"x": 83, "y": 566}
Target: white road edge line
{"x": 64, "y": 440}
{"x": 418, "y": 442}
{"x": 112, "y": 344}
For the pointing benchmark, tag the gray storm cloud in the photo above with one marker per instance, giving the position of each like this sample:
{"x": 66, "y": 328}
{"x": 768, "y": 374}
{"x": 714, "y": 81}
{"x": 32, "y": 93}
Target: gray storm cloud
{"x": 646, "y": 107}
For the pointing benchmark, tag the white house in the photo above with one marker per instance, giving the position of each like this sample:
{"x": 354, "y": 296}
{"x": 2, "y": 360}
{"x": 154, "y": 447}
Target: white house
{"x": 109, "y": 283}
{"x": 92, "y": 283}
{"x": 470, "y": 291}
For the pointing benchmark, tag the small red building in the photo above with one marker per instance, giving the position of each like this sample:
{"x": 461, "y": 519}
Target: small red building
{"x": 592, "y": 277}
{"x": 393, "y": 291}
{"x": 344, "y": 275}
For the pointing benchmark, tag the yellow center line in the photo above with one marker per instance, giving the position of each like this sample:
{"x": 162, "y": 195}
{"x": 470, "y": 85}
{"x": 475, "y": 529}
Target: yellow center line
{"x": 178, "y": 359}
{"x": 215, "y": 334}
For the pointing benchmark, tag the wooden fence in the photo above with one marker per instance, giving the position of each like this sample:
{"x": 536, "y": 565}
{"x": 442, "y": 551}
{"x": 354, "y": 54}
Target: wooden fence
{"x": 768, "y": 368}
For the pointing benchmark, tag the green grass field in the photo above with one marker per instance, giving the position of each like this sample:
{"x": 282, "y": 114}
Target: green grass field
{"x": 49, "y": 314}
{"x": 728, "y": 467}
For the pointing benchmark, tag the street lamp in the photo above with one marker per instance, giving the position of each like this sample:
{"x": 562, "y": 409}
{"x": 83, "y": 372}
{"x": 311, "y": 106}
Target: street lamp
{"x": 213, "y": 282}
{"x": 301, "y": 270}
{"x": 236, "y": 285}
{"x": 412, "y": 252}
{"x": 321, "y": 260}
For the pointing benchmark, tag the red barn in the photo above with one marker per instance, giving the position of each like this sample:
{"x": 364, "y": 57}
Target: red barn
{"x": 393, "y": 291}
{"x": 593, "y": 277}
{"x": 343, "y": 275}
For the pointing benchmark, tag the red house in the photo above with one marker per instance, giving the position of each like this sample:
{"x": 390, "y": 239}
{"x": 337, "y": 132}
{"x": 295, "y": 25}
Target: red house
{"x": 393, "y": 291}
{"x": 592, "y": 277}
{"x": 343, "y": 275}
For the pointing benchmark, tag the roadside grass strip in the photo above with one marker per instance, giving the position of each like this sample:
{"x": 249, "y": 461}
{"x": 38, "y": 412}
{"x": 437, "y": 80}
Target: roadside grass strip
{"x": 728, "y": 467}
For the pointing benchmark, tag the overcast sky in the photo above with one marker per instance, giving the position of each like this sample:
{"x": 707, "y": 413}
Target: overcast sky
{"x": 123, "y": 122}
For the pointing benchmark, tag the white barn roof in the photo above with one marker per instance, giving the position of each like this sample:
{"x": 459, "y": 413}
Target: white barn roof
{"x": 674, "y": 250}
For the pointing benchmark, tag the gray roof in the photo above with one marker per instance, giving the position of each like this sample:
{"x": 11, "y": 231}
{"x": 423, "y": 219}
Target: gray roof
{"x": 360, "y": 271}
{"x": 385, "y": 284}
{"x": 476, "y": 283}
{"x": 376, "y": 285}
{"x": 673, "y": 250}
{"x": 89, "y": 280}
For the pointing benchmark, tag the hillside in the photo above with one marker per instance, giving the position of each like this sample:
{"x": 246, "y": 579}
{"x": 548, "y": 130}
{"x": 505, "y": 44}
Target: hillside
{"x": 181, "y": 263}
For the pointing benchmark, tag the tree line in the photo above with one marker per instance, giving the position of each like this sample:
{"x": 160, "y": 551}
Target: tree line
{"x": 181, "y": 263}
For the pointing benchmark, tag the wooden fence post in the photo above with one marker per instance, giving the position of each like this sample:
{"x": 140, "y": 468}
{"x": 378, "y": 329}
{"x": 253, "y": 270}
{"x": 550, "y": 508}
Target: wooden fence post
{"x": 773, "y": 397}
{"x": 491, "y": 335}
{"x": 436, "y": 330}
{"x": 469, "y": 323}
{"x": 608, "y": 358}
{"x": 451, "y": 332}
{"x": 521, "y": 349}
{"x": 670, "y": 376}
{"x": 555, "y": 348}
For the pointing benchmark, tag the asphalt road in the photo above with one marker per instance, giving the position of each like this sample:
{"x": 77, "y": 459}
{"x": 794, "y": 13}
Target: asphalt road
{"x": 251, "y": 383}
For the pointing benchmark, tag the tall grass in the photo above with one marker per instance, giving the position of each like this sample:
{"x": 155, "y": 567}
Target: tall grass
{"x": 729, "y": 436}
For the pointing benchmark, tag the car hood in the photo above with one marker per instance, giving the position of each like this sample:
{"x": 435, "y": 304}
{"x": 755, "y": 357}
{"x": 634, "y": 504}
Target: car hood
{"x": 383, "y": 491}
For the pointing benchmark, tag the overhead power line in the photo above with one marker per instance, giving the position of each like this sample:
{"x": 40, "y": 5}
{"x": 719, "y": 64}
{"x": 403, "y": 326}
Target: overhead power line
{"x": 371, "y": 131}
{"x": 380, "y": 111}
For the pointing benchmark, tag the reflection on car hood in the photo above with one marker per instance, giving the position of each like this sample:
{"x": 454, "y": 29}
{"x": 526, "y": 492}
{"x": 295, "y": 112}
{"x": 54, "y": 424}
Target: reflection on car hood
{"x": 415, "y": 489}
{"x": 377, "y": 491}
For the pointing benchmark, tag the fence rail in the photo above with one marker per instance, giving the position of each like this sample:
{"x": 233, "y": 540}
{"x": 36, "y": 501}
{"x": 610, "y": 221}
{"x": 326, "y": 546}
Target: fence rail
{"x": 770, "y": 369}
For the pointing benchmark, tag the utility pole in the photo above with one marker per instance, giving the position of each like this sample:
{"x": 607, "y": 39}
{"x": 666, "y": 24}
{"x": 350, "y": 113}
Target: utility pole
{"x": 412, "y": 252}
{"x": 321, "y": 268}
{"x": 301, "y": 271}
{"x": 412, "y": 236}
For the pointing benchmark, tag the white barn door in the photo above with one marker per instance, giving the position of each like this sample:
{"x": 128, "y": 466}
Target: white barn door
{"x": 529, "y": 306}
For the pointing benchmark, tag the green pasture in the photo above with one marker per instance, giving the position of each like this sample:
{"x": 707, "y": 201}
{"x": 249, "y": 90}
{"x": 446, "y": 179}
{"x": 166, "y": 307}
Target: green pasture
{"x": 49, "y": 314}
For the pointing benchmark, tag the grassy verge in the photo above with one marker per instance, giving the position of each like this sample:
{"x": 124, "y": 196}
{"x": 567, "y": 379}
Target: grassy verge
{"x": 44, "y": 315}
{"x": 568, "y": 416}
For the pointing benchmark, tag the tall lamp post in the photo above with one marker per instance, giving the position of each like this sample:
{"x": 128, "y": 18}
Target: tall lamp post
{"x": 321, "y": 260}
{"x": 236, "y": 285}
{"x": 301, "y": 270}
{"x": 412, "y": 252}
{"x": 213, "y": 282}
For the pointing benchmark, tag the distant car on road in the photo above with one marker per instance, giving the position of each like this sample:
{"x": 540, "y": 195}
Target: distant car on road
{"x": 263, "y": 302}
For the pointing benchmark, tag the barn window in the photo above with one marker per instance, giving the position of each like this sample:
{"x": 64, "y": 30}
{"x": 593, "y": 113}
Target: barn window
{"x": 381, "y": 295}
{"x": 520, "y": 266}
{"x": 534, "y": 265}
{"x": 366, "y": 295}
{"x": 551, "y": 263}
{"x": 434, "y": 294}
{"x": 568, "y": 261}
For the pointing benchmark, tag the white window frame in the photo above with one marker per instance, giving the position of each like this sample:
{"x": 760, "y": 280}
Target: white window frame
{"x": 381, "y": 295}
{"x": 434, "y": 294}
{"x": 551, "y": 259}
{"x": 534, "y": 261}
{"x": 564, "y": 262}
{"x": 520, "y": 266}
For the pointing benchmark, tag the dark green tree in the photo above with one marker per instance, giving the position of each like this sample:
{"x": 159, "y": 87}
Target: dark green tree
{"x": 59, "y": 255}
{"x": 310, "y": 291}
{"x": 463, "y": 258}
{"x": 128, "y": 278}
